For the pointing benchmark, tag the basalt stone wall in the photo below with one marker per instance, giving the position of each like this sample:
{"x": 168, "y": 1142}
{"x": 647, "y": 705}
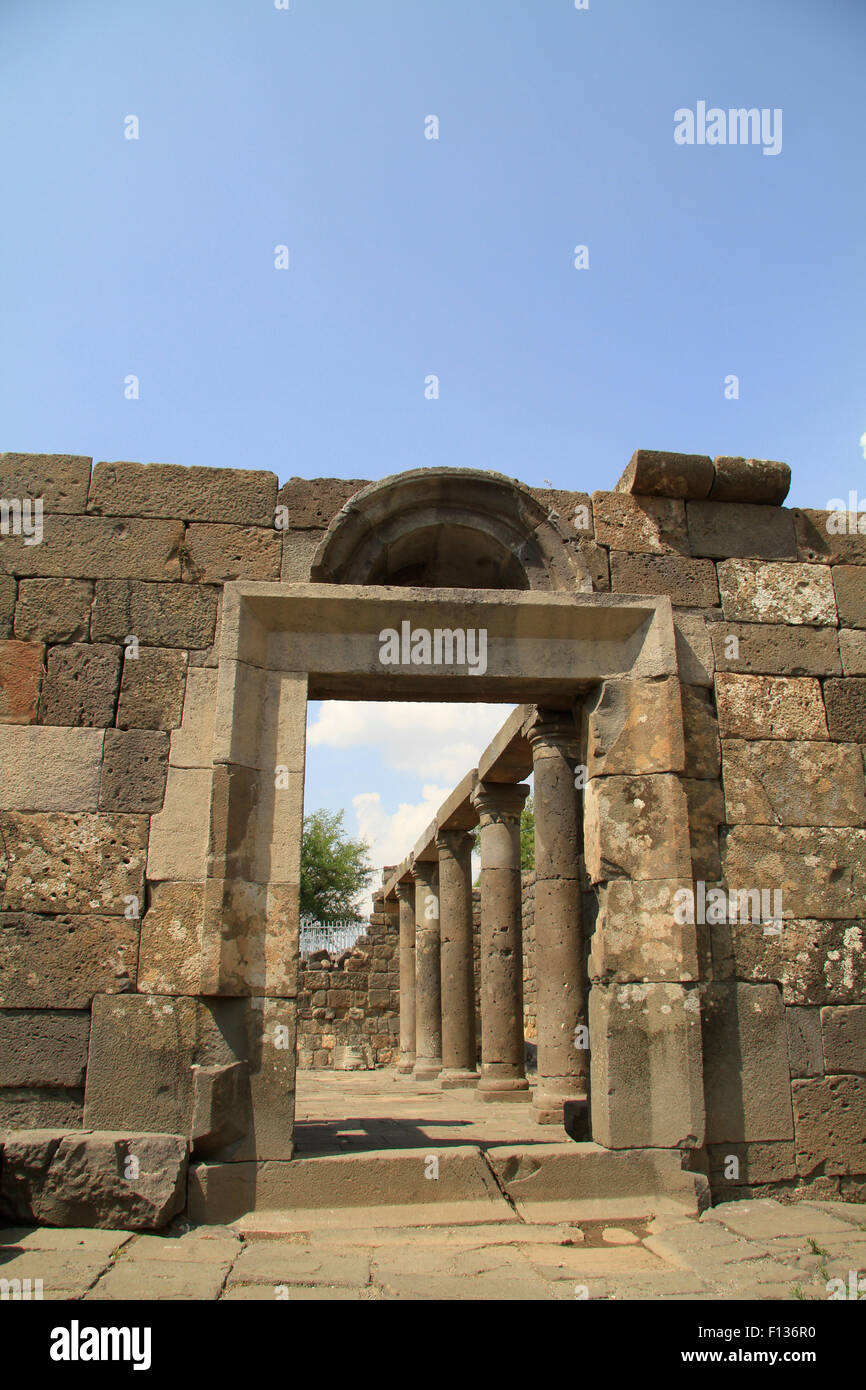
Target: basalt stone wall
{"x": 349, "y": 1004}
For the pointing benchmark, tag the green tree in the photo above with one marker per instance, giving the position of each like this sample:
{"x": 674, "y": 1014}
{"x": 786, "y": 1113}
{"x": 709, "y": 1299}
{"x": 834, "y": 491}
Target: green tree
{"x": 527, "y": 838}
{"x": 334, "y": 868}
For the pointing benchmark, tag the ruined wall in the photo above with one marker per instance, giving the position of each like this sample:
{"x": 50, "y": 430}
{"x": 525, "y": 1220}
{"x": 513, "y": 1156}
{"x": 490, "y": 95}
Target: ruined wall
{"x": 352, "y": 1000}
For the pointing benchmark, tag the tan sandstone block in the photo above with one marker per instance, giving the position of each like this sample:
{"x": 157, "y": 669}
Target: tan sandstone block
{"x": 775, "y": 649}
{"x": 78, "y": 956}
{"x": 643, "y": 525}
{"x": 770, "y": 782}
{"x": 72, "y": 863}
{"x": 179, "y": 834}
{"x": 171, "y": 937}
{"x": 159, "y": 615}
{"x": 61, "y": 480}
{"x": 636, "y": 827}
{"x": 852, "y": 648}
{"x": 636, "y": 727}
{"x": 260, "y": 718}
{"x": 152, "y": 689}
{"x": 637, "y": 937}
{"x": 53, "y": 610}
{"x": 762, "y": 593}
{"x": 20, "y": 679}
{"x": 250, "y": 938}
{"x": 217, "y": 552}
{"x": 759, "y": 707}
{"x": 241, "y": 495}
{"x": 49, "y": 769}
{"x": 94, "y": 547}
{"x": 192, "y": 742}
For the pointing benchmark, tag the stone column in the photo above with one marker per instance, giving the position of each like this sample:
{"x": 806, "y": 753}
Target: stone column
{"x": 406, "y": 899}
{"x": 559, "y": 966}
{"x": 428, "y": 988}
{"x": 458, "y": 974}
{"x": 503, "y": 1075}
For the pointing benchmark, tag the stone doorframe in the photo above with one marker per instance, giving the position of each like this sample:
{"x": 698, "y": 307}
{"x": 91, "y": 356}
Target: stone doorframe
{"x": 282, "y": 644}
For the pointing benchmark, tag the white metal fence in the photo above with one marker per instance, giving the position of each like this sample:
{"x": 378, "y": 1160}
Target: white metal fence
{"x": 334, "y": 936}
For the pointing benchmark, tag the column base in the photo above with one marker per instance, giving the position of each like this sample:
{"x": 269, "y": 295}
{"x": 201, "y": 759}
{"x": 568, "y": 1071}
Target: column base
{"x": 406, "y": 1066}
{"x": 452, "y": 1077}
{"x": 426, "y": 1070}
{"x": 502, "y": 1088}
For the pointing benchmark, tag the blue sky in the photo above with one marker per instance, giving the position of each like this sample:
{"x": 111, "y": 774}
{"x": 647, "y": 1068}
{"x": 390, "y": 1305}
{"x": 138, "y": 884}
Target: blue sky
{"x": 454, "y": 257}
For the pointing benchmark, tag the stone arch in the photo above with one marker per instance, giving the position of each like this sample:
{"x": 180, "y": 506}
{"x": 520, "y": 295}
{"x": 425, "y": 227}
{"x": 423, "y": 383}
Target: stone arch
{"x": 450, "y": 528}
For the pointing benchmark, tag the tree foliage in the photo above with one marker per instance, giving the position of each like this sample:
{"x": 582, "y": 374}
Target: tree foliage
{"x": 334, "y": 868}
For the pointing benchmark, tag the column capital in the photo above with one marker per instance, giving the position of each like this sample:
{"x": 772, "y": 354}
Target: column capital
{"x": 405, "y": 891}
{"x": 454, "y": 841}
{"x": 499, "y": 800}
{"x": 424, "y": 871}
{"x": 551, "y": 728}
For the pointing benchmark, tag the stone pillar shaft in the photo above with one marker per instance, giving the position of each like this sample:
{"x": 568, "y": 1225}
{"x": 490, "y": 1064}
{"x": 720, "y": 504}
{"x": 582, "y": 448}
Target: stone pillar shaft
{"x": 458, "y": 973}
{"x": 559, "y": 945}
{"x": 406, "y": 899}
{"x": 503, "y": 1075}
{"x": 428, "y": 987}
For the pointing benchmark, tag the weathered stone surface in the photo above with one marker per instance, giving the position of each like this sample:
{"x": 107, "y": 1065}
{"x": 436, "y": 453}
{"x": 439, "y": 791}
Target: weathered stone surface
{"x": 754, "y": 1163}
{"x": 694, "y": 648}
{"x": 653, "y": 473}
{"x": 775, "y": 649}
{"x": 239, "y": 495}
{"x": 750, "y": 480}
{"x": 706, "y": 810}
{"x": 134, "y": 771}
{"x": 218, "y": 1100}
{"x": 152, "y": 689}
{"x": 595, "y": 558}
{"x": 688, "y": 582}
{"x": 316, "y": 504}
{"x": 159, "y": 615}
{"x": 637, "y": 936}
{"x": 171, "y": 938}
{"x": 215, "y": 553}
{"x": 53, "y": 610}
{"x": 805, "y": 1048}
{"x": 843, "y": 1028}
{"x": 94, "y": 547}
{"x": 78, "y": 956}
{"x": 722, "y": 530}
{"x": 636, "y": 827}
{"x": 67, "y": 1179}
{"x": 71, "y": 863}
{"x": 635, "y": 726}
{"x": 849, "y": 583}
{"x": 80, "y": 686}
{"x": 852, "y": 649}
{"x": 250, "y": 940}
{"x": 819, "y": 545}
{"x": 192, "y": 742}
{"x": 846, "y": 709}
{"x": 646, "y": 1069}
{"x": 8, "y": 590}
{"x": 20, "y": 679}
{"x": 61, "y": 480}
{"x": 701, "y": 732}
{"x": 793, "y": 593}
{"x": 39, "y": 1107}
{"x": 830, "y": 1134}
{"x": 43, "y": 1048}
{"x": 815, "y": 962}
{"x": 179, "y": 834}
{"x": 299, "y": 549}
{"x": 771, "y": 782}
{"x": 759, "y": 707}
{"x": 647, "y": 525}
{"x": 49, "y": 769}
{"x": 139, "y": 1076}
{"x": 822, "y": 871}
{"x": 746, "y": 1076}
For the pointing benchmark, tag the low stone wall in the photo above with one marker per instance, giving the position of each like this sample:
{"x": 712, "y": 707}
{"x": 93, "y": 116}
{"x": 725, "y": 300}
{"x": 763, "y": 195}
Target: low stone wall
{"x": 352, "y": 1000}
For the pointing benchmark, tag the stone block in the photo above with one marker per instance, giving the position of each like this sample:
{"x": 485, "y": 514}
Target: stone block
{"x": 139, "y": 1075}
{"x": 299, "y": 550}
{"x": 249, "y": 938}
{"x": 849, "y": 582}
{"x": 95, "y": 547}
{"x": 192, "y": 742}
{"x": 20, "y": 680}
{"x": 754, "y": 1165}
{"x": 760, "y": 707}
{"x": 78, "y": 862}
{"x": 782, "y": 593}
{"x": 646, "y": 525}
{"x": 750, "y": 480}
{"x": 61, "y": 480}
{"x": 695, "y": 658}
{"x": 722, "y": 530}
{"x": 219, "y": 1095}
{"x": 839, "y": 543}
{"x": 646, "y": 1068}
{"x": 821, "y": 871}
{"x": 595, "y": 559}
{"x": 241, "y": 495}
{"x": 774, "y": 649}
{"x": 770, "y": 782}
{"x": 830, "y": 1134}
{"x": 636, "y": 827}
{"x": 852, "y": 649}
{"x": 637, "y": 937}
{"x": 843, "y": 1028}
{"x": 653, "y": 473}
{"x": 701, "y": 733}
{"x": 8, "y": 591}
{"x": 706, "y": 810}
{"x": 79, "y": 956}
{"x": 313, "y": 503}
{"x": 747, "y": 1083}
{"x": 171, "y": 934}
{"x": 80, "y": 688}
{"x": 49, "y": 769}
{"x": 691, "y": 583}
{"x": 58, "y": 1178}
{"x": 179, "y": 833}
{"x": 805, "y": 1048}
{"x": 846, "y": 709}
{"x": 53, "y": 610}
{"x": 152, "y": 689}
{"x": 635, "y": 727}
{"x": 159, "y": 615}
{"x": 37, "y": 1107}
{"x": 134, "y": 770}
{"x": 215, "y": 553}
{"x": 815, "y": 962}
{"x": 43, "y": 1048}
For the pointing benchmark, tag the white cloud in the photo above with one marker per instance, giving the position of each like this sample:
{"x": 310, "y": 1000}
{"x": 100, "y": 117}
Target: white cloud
{"x": 863, "y": 444}
{"x": 426, "y": 740}
{"x": 391, "y": 836}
